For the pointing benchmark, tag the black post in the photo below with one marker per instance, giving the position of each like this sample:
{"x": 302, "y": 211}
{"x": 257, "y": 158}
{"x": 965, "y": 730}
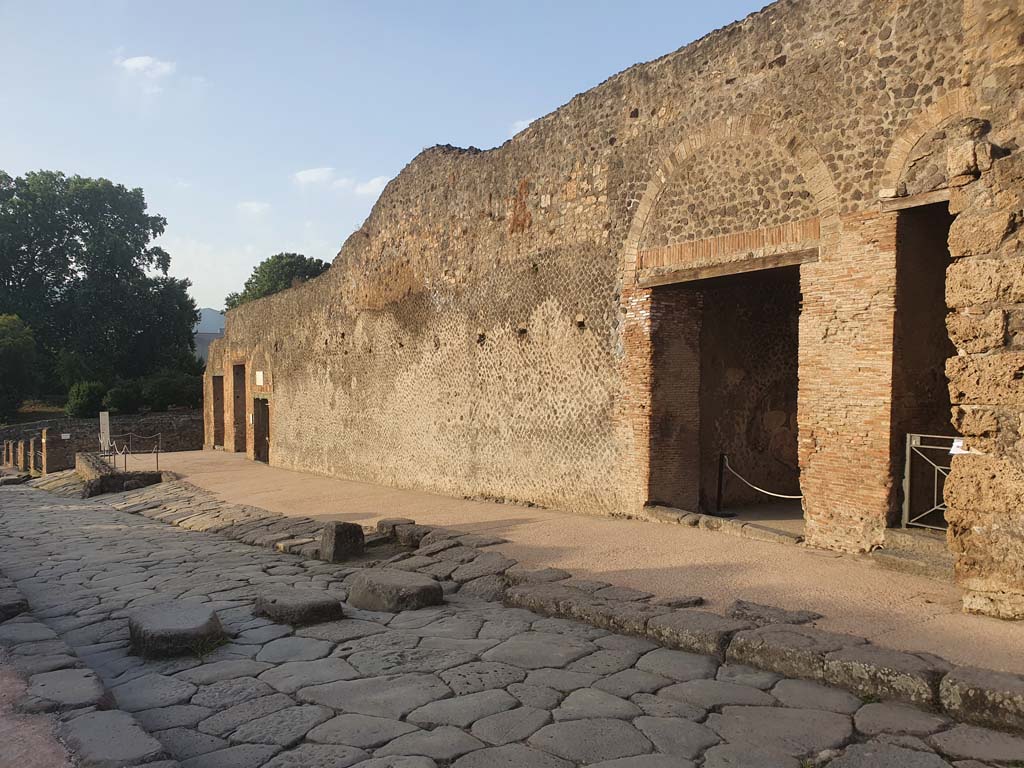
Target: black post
{"x": 721, "y": 480}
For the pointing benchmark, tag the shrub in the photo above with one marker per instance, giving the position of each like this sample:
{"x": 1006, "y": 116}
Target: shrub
{"x": 17, "y": 355}
{"x": 162, "y": 390}
{"x": 124, "y": 397}
{"x": 85, "y": 399}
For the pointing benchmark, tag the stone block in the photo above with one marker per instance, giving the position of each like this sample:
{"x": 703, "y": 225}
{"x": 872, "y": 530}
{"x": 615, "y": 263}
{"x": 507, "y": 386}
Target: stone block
{"x": 110, "y": 740}
{"x": 298, "y": 606}
{"x": 174, "y": 629}
{"x": 387, "y": 525}
{"x": 410, "y": 534}
{"x": 795, "y": 651}
{"x": 984, "y": 697}
{"x": 762, "y": 615}
{"x": 64, "y": 689}
{"x": 869, "y": 670}
{"x": 695, "y": 631}
{"x": 385, "y": 589}
{"x": 340, "y": 541}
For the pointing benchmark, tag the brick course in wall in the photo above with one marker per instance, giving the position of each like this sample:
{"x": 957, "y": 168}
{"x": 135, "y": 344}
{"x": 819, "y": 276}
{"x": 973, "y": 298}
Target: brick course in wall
{"x": 492, "y": 328}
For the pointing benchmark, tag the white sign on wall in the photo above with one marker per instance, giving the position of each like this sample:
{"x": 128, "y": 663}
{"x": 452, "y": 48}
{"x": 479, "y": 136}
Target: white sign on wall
{"x": 259, "y": 378}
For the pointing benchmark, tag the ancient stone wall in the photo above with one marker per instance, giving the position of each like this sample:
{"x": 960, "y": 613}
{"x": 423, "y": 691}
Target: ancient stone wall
{"x": 488, "y": 331}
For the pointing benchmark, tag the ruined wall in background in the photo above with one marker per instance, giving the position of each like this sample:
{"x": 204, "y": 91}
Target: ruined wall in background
{"x": 487, "y": 332}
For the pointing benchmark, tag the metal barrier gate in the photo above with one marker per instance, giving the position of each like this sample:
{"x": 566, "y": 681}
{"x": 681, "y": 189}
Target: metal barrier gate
{"x": 925, "y": 470}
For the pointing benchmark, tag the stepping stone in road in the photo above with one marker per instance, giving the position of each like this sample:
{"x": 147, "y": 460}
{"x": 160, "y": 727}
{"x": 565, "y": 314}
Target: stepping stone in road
{"x": 175, "y": 629}
{"x": 391, "y": 591}
{"x": 298, "y": 606}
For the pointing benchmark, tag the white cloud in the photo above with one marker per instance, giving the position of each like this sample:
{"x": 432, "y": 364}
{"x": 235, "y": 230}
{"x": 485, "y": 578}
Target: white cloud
{"x": 372, "y": 187}
{"x": 148, "y": 70}
{"x": 343, "y": 183}
{"x": 517, "y": 126}
{"x": 253, "y": 208}
{"x": 313, "y": 176}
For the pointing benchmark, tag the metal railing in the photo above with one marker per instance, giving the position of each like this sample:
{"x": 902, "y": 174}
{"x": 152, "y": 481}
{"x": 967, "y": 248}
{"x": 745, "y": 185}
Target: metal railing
{"x": 724, "y": 466}
{"x": 931, "y": 456}
{"x": 129, "y": 444}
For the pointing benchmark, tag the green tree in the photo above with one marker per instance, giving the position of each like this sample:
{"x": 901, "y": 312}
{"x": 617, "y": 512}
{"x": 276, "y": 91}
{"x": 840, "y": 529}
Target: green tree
{"x": 77, "y": 264}
{"x": 280, "y": 271}
{"x": 17, "y": 353}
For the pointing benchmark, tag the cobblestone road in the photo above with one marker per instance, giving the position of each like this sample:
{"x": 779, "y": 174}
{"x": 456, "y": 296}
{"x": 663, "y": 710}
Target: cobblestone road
{"x": 471, "y": 684}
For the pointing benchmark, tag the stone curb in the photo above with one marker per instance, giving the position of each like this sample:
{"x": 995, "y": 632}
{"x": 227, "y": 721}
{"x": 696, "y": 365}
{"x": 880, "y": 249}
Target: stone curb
{"x": 976, "y": 696}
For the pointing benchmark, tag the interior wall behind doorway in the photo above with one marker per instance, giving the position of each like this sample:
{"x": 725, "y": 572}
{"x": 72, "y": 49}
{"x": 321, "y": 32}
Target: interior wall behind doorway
{"x": 748, "y": 384}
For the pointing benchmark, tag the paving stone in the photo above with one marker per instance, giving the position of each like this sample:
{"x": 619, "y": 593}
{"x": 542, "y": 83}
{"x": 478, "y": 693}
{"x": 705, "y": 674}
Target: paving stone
{"x": 227, "y": 693}
{"x": 711, "y": 694}
{"x": 342, "y": 631}
{"x": 604, "y": 662}
{"x": 152, "y": 691}
{"x": 174, "y": 629}
{"x": 67, "y": 689}
{"x": 443, "y": 743}
{"x": 695, "y": 631}
{"x": 538, "y": 696}
{"x": 261, "y": 635}
{"x": 481, "y": 676}
{"x": 796, "y": 732}
{"x": 184, "y": 743}
{"x": 176, "y": 716}
{"x": 318, "y": 756}
{"x": 392, "y": 696}
{"x": 560, "y": 679}
{"x": 794, "y": 651}
{"x": 387, "y": 525}
{"x": 969, "y": 742}
{"x": 490, "y": 588}
{"x": 630, "y": 681}
{"x": 763, "y": 615}
{"x": 359, "y": 731}
{"x": 748, "y": 756}
{"x": 510, "y": 756}
{"x": 225, "y": 721}
{"x": 398, "y": 761}
{"x": 676, "y": 735}
{"x": 285, "y": 728}
{"x": 457, "y": 644}
{"x": 884, "y": 673}
{"x": 520, "y": 575}
{"x": 638, "y": 645}
{"x": 383, "y": 589}
{"x": 587, "y": 585}
{"x": 24, "y": 632}
{"x": 569, "y": 627}
{"x": 678, "y": 665}
{"x": 886, "y": 756}
{"x": 294, "y": 649}
{"x": 484, "y": 564}
{"x": 804, "y": 694}
{"x": 433, "y": 547}
{"x": 462, "y": 711}
{"x": 480, "y": 540}
{"x": 877, "y": 718}
{"x": 298, "y": 606}
{"x": 984, "y": 697}
{"x": 377, "y": 642}
{"x": 591, "y": 703}
{"x": 242, "y": 756}
{"x": 590, "y": 741}
{"x": 744, "y": 675}
{"x": 410, "y": 534}
{"x": 391, "y": 662}
{"x": 513, "y": 725}
{"x": 682, "y": 601}
{"x": 293, "y": 675}
{"x": 205, "y": 674}
{"x": 537, "y": 650}
{"x": 109, "y": 739}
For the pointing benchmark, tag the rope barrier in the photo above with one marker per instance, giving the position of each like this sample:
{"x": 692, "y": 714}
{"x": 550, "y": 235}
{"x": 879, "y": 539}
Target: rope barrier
{"x": 725, "y": 463}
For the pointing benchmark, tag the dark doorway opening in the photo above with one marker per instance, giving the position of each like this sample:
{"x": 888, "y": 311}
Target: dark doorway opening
{"x": 261, "y": 429}
{"x": 921, "y": 346}
{"x": 218, "y": 411}
{"x": 748, "y": 392}
{"x": 238, "y": 407}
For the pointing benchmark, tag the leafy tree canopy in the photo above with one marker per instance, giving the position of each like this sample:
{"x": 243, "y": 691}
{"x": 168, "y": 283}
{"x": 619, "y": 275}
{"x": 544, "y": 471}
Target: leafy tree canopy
{"x": 17, "y": 353}
{"x": 280, "y": 271}
{"x": 77, "y": 264}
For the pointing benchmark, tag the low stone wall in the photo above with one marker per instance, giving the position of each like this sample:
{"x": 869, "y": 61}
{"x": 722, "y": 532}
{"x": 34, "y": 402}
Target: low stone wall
{"x": 100, "y": 477}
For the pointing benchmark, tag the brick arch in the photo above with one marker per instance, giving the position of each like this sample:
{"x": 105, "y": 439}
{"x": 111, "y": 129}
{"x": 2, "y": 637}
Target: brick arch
{"x": 955, "y": 103}
{"x": 819, "y": 179}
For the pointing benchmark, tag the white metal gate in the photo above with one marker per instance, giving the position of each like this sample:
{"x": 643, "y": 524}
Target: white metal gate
{"x": 925, "y": 471}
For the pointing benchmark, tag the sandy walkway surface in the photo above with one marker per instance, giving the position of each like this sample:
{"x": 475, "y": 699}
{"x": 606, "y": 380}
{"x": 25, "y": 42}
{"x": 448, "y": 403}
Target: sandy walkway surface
{"x": 893, "y": 609}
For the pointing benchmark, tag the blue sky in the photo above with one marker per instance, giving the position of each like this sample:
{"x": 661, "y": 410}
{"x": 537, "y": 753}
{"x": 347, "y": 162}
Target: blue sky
{"x": 262, "y": 127}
